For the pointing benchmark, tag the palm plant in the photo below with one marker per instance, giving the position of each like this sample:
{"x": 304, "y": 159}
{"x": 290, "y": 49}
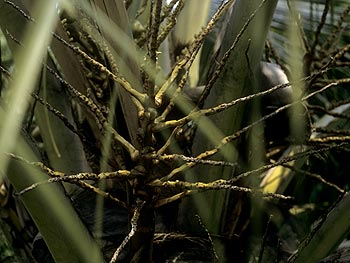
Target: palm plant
{"x": 144, "y": 139}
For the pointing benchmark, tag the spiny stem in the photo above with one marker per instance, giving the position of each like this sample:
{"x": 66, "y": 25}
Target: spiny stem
{"x": 134, "y": 153}
{"x": 215, "y": 185}
{"x": 134, "y": 220}
{"x": 142, "y": 98}
{"x": 221, "y": 107}
{"x": 58, "y": 175}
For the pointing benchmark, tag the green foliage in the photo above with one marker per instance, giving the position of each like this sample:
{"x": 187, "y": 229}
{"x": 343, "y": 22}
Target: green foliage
{"x": 118, "y": 155}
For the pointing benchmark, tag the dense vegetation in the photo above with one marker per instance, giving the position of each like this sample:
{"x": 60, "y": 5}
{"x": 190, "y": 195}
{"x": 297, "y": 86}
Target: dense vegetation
{"x": 174, "y": 131}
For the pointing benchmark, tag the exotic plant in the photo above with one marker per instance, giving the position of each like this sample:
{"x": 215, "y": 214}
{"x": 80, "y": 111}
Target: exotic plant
{"x": 136, "y": 131}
